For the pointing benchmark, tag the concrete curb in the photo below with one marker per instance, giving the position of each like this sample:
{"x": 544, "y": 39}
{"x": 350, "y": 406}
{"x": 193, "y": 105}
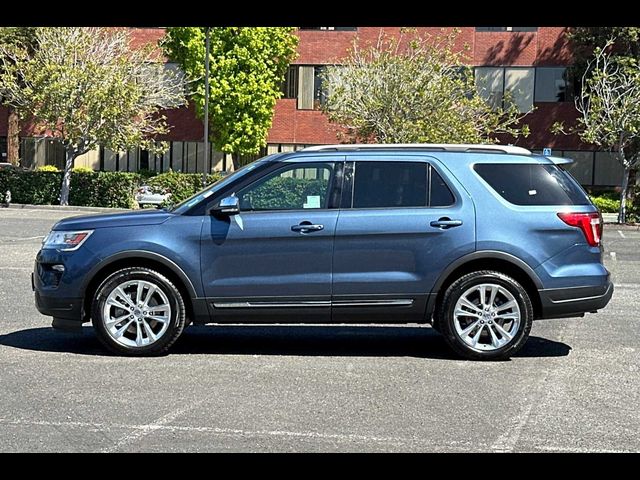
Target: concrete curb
{"x": 70, "y": 208}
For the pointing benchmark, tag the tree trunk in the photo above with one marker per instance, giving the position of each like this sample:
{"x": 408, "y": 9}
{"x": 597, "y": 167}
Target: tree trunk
{"x": 66, "y": 178}
{"x": 236, "y": 160}
{"x": 622, "y": 213}
{"x": 13, "y": 138}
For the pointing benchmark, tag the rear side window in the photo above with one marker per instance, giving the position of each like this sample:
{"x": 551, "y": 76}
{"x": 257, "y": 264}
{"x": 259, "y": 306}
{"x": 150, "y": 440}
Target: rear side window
{"x": 533, "y": 184}
{"x": 440, "y": 195}
{"x": 398, "y": 184}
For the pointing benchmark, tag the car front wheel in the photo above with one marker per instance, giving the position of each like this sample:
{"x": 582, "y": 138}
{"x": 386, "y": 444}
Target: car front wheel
{"x": 485, "y": 315}
{"x": 138, "y": 311}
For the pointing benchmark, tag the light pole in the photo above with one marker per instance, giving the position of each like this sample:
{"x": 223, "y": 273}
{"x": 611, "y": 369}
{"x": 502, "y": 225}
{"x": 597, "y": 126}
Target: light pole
{"x": 207, "y": 169}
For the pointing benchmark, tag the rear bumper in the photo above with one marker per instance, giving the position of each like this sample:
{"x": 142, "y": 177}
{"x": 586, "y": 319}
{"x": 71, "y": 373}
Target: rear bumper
{"x": 574, "y": 302}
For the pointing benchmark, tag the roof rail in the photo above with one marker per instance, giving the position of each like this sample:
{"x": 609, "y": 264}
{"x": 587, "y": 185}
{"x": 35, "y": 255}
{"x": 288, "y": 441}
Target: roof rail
{"x": 439, "y": 147}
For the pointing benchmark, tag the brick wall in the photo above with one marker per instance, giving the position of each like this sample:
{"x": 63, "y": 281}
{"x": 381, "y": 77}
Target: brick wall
{"x": 546, "y": 47}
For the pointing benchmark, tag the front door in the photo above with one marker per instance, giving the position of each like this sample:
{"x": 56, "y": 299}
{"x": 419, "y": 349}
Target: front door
{"x": 272, "y": 261}
{"x": 401, "y": 224}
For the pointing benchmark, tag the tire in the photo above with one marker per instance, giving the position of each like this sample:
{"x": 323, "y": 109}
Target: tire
{"x": 500, "y": 328}
{"x": 144, "y": 328}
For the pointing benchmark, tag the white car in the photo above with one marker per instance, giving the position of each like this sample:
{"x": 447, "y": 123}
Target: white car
{"x": 147, "y": 195}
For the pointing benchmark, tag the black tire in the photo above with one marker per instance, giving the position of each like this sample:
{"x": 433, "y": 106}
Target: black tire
{"x": 446, "y": 319}
{"x": 176, "y": 323}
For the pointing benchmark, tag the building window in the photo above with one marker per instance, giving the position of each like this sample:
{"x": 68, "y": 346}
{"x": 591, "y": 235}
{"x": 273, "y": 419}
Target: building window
{"x": 312, "y": 92}
{"x": 494, "y": 82}
{"x": 334, "y": 29}
{"x": 290, "y": 84}
{"x": 519, "y": 82}
{"x": 3, "y": 149}
{"x": 319, "y": 87}
{"x": 490, "y": 84}
{"x": 506, "y": 29}
{"x": 608, "y": 170}
{"x": 553, "y": 85}
{"x": 582, "y": 167}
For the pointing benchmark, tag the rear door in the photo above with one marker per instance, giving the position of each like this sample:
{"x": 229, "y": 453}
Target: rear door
{"x": 402, "y": 221}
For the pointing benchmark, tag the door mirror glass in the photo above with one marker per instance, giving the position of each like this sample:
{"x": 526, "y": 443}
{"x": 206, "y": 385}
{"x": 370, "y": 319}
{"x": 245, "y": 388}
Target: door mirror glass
{"x": 228, "y": 206}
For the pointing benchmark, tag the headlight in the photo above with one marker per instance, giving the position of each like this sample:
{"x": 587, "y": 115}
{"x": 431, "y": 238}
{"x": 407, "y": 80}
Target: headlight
{"x": 66, "y": 241}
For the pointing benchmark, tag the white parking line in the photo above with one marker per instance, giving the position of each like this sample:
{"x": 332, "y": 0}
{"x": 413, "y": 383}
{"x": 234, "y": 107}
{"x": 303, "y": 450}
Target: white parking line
{"x": 580, "y": 450}
{"x": 621, "y": 234}
{"x": 507, "y": 441}
{"x": 147, "y": 429}
{"x": 161, "y": 425}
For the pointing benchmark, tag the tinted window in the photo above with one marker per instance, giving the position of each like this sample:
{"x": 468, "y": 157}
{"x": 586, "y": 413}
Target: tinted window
{"x": 390, "y": 184}
{"x": 399, "y": 184}
{"x": 524, "y": 184}
{"x": 291, "y": 188}
{"x": 440, "y": 195}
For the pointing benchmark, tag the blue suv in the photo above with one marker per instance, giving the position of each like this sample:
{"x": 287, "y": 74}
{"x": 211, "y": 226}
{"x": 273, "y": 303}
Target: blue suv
{"x": 477, "y": 240}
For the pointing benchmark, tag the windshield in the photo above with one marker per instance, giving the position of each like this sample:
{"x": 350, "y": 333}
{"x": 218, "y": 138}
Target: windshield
{"x": 214, "y": 187}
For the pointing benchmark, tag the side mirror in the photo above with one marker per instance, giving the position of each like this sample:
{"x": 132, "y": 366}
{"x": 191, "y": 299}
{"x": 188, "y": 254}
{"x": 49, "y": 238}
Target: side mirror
{"x": 228, "y": 206}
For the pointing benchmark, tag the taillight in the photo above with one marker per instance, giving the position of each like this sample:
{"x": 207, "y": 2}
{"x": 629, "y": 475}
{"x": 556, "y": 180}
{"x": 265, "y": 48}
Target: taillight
{"x": 589, "y": 223}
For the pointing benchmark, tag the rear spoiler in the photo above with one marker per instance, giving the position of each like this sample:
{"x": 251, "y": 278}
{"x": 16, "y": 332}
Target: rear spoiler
{"x": 560, "y": 160}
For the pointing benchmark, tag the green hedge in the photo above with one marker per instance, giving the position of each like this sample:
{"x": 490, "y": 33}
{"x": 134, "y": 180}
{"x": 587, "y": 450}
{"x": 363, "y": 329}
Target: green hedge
{"x": 180, "y": 185}
{"x": 95, "y": 189}
{"x": 606, "y": 204}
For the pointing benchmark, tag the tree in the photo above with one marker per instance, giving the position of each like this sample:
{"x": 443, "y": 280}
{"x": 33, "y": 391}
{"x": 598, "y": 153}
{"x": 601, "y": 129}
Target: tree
{"x": 622, "y": 45}
{"x": 609, "y": 107}
{"x": 401, "y": 91}
{"x": 247, "y": 68}
{"x": 15, "y": 37}
{"x": 86, "y": 87}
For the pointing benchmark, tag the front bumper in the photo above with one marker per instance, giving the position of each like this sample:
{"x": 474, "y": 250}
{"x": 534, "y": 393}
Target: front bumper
{"x": 574, "y": 302}
{"x": 67, "y": 308}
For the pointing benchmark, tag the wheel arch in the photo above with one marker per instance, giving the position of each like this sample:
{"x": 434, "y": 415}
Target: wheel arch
{"x": 138, "y": 258}
{"x": 488, "y": 260}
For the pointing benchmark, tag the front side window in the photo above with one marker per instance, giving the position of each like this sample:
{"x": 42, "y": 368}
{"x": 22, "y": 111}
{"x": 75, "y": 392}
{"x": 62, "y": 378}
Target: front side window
{"x": 399, "y": 184}
{"x": 294, "y": 187}
{"x": 533, "y": 184}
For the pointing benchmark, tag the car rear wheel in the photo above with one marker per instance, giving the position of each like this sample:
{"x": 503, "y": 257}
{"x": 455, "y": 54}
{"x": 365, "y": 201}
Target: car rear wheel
{"x": 138, "y": 311}
{"x": 485, "y": 315}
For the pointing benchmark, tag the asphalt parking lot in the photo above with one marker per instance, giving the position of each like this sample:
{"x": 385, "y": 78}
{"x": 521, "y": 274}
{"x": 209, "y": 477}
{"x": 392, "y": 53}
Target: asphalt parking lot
{"x": 573, "y": 388}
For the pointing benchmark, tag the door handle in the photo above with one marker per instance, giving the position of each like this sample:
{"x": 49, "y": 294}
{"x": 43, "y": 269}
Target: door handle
{"x": 306, "y": 227}
{"x": 445, "y": 223}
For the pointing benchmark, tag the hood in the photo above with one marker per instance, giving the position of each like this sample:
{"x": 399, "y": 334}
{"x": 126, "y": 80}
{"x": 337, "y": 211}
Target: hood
{"x": 109, "y": 220}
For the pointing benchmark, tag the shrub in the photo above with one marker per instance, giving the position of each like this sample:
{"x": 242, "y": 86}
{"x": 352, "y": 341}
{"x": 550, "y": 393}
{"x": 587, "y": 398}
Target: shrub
{"x": 145, "y": 174}
{"x": 606, "y": 204}
{"x": 82, "y": 170}
{"x": 33, "y": 187}
{"x": 47, "y": 168}
{"x": 116, "y": 189}
{"x": 180, "y": 185}
{"x": 94, "y": 189}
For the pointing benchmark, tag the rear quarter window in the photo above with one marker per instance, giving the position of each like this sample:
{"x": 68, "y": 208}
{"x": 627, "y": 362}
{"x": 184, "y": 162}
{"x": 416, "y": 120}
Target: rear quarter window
{"x": 533, "y": 184}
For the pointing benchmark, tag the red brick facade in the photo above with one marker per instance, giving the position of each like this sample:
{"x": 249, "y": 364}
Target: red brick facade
{"x": 546, "y": 47}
